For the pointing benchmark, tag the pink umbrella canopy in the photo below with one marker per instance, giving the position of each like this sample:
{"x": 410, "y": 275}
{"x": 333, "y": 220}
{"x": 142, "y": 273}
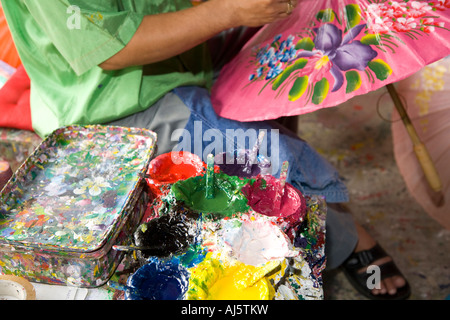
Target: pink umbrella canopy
{"x": 328, "y": 51}
{"x": 426, "y": 95}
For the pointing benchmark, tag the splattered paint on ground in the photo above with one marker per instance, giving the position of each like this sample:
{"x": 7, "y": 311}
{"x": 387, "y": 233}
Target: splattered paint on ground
{"x": 379, "y": 199}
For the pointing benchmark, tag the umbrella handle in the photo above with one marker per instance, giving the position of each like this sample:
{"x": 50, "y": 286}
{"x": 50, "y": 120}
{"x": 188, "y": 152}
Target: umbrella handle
{"x": 421, "y": 151}
{"x": 428, "y": 167}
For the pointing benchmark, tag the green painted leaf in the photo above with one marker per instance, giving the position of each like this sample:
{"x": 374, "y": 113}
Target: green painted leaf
{"x": 371, "y": 39}
{"x": 305, "y": 44}
{"x": 326, "y": 15}
{"x": 353, "y": 81}
{"x": 353, "y": 15}
{"x": 298, "y": 88}
{"x": 381, "y": 69}
{"x": 321, "y": 89}
{"x": 298, "y": 64}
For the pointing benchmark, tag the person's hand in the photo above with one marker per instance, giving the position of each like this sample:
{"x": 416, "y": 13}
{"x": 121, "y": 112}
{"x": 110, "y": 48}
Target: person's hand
{"x": 255, "y": 13}
{"x": 162, "y": 36}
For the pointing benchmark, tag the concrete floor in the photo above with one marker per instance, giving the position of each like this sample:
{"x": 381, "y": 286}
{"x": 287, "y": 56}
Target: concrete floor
{"x": 358, "y": 142}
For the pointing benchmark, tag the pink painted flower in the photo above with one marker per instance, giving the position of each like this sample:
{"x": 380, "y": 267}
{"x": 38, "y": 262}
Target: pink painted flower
{"x": 380, "y": 26}
{"x": 405, "y": 25}
{"x": 376, "y": 23}
{"x": 373, "y": 11}
{"x": 427, "y": 21}
{"x": 442, "y": 5}
{"x": 418, "y": 9}
{"x": 428, "y": 25}
{"x": 396, "y": 10}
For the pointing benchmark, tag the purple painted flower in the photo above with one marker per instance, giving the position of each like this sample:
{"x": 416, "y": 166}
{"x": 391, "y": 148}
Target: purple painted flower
{"x": 343, "y": 53}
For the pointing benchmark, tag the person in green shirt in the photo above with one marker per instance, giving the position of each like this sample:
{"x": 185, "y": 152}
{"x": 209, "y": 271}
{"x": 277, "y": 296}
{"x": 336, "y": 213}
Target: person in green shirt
{"x": 146, "y": 63}
{"x": 98, "y": 61}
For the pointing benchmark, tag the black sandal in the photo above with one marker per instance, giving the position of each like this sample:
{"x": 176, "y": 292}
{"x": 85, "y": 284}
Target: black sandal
{"x": 362, "y": 260}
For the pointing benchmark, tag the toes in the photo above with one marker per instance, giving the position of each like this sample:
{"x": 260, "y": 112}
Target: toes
{"x": 399, "y": 281}
{"x": 376, "y": 291}
{"x": 390, "y": 286}
{"x": 379, "y": 289}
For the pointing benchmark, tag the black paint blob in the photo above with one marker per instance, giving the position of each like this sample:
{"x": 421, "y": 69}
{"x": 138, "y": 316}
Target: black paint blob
{"x": 168, "y": 235}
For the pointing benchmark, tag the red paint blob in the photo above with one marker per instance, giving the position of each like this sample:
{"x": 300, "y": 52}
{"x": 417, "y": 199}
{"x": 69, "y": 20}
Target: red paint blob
{"x": 171, "y": 167}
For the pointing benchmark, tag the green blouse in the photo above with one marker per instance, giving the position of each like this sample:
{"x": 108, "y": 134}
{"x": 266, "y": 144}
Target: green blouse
{"x": 62, "y": 42}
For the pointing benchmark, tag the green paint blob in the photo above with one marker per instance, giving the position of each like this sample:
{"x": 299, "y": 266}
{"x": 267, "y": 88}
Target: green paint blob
{"x": 227, "y": 199}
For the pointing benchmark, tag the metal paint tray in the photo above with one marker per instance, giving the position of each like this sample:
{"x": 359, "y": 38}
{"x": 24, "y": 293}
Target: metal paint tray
{"x": 76, "y": 196}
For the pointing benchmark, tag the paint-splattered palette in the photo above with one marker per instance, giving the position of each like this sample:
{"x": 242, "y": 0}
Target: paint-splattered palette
{"x": 199, "y": 248}
{"x": 77, "y": 193}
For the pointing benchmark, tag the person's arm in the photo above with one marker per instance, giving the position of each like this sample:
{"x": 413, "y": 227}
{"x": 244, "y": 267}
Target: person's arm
{"x": 165, "y": 35}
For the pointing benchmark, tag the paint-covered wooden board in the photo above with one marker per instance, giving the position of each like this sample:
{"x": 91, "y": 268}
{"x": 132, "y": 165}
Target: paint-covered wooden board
{"x": 236, "y": 242}
{"x": 251, "y": 243}
{"x": 72, "y": 197}
{"x": 222, "y": 252}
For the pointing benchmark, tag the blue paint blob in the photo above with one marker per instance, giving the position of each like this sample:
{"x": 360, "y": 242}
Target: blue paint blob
{"x": 158, "y": 280}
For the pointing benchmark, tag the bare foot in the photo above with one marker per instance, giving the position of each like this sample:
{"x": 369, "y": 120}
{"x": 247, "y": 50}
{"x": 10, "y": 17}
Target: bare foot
{"x": 388, "y": 285}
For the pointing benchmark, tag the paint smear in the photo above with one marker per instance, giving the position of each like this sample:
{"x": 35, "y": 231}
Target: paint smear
{"x": 255, "y": 240}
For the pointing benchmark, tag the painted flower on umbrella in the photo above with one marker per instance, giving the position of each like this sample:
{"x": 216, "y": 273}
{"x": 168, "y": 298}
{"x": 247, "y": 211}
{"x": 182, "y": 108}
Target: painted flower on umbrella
{"x": 341, "y": 45}
{"x": 408, "y": 16}
{"x": 337, "y": 54}
{"x": 330, "y": 53}
{"x": 442, "y": 4}
{"x": 272, "y": 59}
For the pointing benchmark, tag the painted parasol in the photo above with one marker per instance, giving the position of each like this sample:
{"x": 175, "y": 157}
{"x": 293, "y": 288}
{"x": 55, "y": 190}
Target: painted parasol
{"x": 328, "y": 51}
{"x": 426, "y": 95}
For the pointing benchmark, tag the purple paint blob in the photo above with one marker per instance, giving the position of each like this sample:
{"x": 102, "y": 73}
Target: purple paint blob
{"x": 237, "y": 164}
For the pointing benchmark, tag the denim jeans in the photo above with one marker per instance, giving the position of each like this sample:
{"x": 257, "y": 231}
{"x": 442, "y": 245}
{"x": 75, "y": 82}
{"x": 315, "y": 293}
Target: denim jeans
{"x": 308, "y": 171}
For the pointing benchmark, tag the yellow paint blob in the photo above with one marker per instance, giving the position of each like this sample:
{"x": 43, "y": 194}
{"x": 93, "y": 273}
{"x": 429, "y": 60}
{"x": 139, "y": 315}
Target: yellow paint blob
{"x": 236, "y": 285}
{"x": 213, "y": 279}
